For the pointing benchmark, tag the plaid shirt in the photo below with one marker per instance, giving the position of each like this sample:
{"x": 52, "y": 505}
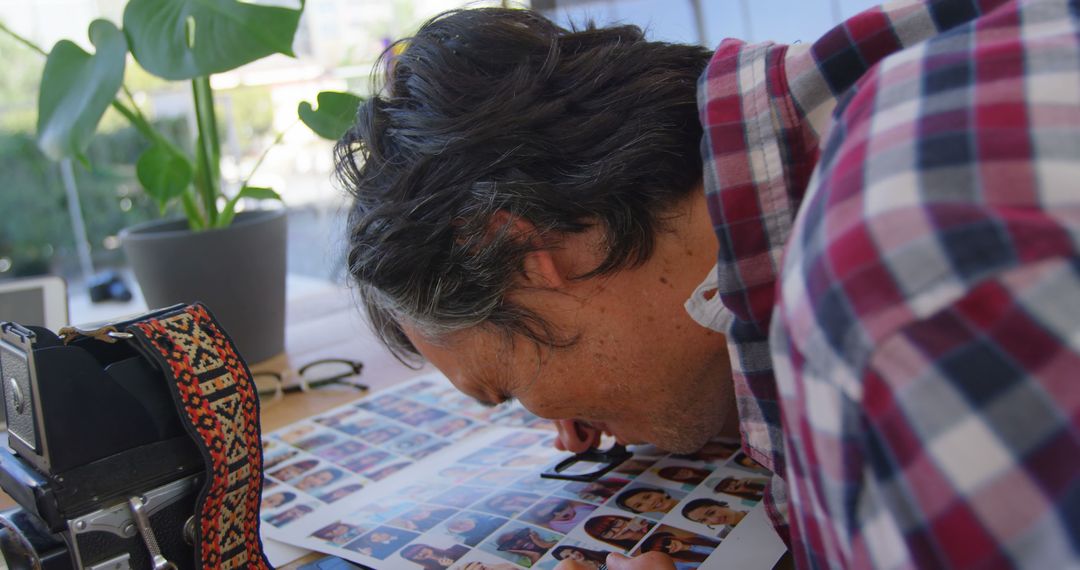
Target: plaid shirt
{"x": 902, "y": 199}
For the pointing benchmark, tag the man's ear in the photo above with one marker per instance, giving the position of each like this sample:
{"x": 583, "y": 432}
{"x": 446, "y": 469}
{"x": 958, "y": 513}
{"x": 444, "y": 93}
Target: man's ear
{"x": 539, "y": 268}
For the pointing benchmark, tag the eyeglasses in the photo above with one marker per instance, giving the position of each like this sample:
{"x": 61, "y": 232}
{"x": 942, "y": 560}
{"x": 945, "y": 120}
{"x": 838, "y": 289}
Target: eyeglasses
{"x": 271, "y": 386}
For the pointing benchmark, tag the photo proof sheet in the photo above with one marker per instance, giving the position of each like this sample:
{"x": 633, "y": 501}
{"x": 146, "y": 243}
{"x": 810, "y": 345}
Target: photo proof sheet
{"x": 421, "y": 476}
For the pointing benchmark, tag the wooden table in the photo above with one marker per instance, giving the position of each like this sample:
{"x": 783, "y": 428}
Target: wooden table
{"x": 328, "y": 324}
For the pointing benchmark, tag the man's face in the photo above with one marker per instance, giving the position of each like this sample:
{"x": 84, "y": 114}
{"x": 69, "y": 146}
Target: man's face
{"x": 639, "y": 367}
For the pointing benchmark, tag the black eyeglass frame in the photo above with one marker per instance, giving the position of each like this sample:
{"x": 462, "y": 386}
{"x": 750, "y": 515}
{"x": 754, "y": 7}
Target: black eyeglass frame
{"x": 355, "y": 367}
{"x": 611, "y": 457}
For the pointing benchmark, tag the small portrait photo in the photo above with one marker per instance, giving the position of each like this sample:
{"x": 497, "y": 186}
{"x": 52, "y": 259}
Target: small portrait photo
{"x": 449, "y": 426}
{"x": 409, "y": 442}
{"x": 558, "y": 514}
{"x": 432, "y": 558}
{"x": 408, "y": 407}
{"x": 421, "y": 518}
{"x": 749, "y": 489}
{"x": 713, "y": 513}
{"x": 530, "y": 461}
{"x": 338, "y": 533}
{"x": 420, "y": 491}
{"x": 743, "y": 461}
{"x": 379, "y": 402}
{"x": 340, "y": 493}
{"x": 276, "y": 499}
{"x": 420, "y": 387}
{"x": 595, "y": 492}
{"x": 533, "y": 482}
{"x": 634, "y": 466}
{"x": 386, "y": 470}
{"x": 460, "y": 497}
{"x": 379, "y": 512}
{"x": 358, "y": 426}
{"x": 293, "y": 470}
{"x": 470, "y": 528}
{"x": 336, "y": 417}
{"x": 488, "y": 456}
{"x": 687, "y": 549}
{"x": 542, "y": 423}
{"x": 466, "y": 406}
{"x": 585, "y": 555}
{"x": 647, "y": 500}
{"x": 341, "y": 450}
{"x": 498, "y": 477}
{"x": 289, "y": 515}
{"x": 423, "y": 452}
{"x": 316, "y": 440}
{"x": 619, "y": 531}
{"x": 479, "y": 560}
{"x": 715, "y": 451}
{"x": 421, "y": 416}
{"x": 435, "y": 395}
{"x": 278, "y": 457}
{"x": 365, "y": 461}
{"x": 507, "y": 503}
{"x": 520, "y": 440}
{"x": 296, "y": 433}
{"x": 458, "y": 473}
{"x": 380, "y": 434}
{"x": 319, "y": 479}
{"x": 381, "y": 542}
{"x": 514, "y": 417}
{"x": 521, "y": 544}
{"x": 680, "y": 476}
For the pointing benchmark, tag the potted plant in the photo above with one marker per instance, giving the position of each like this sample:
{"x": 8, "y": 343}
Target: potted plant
{"x": 233, "y": 262}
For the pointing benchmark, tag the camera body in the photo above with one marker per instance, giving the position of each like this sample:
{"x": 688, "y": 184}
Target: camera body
{"x": 104, "y": 473}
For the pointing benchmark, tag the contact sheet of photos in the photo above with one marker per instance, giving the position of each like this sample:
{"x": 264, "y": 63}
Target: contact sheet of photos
{"x": 321, "y": 460}
{"x": 472, "y": 501}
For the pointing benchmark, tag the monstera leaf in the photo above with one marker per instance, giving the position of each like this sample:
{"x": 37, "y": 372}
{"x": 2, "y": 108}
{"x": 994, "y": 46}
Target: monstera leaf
{"x": 77, "y": 88}
{"x": 336, "y": 113}
{"x": 164, "y": 173}
{"x": 181, "y": 39}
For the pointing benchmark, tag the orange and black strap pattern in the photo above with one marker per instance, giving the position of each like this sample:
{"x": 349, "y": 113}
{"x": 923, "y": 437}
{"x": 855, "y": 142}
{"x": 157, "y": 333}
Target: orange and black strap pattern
{"x": 216, "y": 399}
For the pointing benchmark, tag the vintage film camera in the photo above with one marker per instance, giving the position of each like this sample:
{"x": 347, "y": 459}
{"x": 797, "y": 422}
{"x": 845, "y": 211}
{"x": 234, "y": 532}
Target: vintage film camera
{"x": 104, "y": 473}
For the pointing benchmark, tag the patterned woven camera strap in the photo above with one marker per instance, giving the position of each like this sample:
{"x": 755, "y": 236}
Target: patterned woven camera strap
{"x": 218, "y": 406}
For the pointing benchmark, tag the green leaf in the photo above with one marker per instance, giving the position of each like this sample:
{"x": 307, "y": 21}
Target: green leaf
{"x": 182, "y": 39}
{"x": 258, "y": 193}
{"x": 77, "y": 88}
{"x": 254, "y": 192}
{"x": 335, "y": 115}
{"x": 164, "y": 173}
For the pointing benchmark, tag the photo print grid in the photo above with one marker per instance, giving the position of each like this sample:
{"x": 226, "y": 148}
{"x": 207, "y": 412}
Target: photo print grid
{"x": 331, "y": 456}
{"x": 488, "y": 508}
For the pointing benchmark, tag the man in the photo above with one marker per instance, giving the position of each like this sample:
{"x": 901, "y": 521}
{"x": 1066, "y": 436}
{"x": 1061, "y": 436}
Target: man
{"x": 532, "y": 214}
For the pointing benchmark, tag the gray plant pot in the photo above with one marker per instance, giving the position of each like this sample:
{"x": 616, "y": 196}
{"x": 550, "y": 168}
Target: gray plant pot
{"x": 238, "y": 272}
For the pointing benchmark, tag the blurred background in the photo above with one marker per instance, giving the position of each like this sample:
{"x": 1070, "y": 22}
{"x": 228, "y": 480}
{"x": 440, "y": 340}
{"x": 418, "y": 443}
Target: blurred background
{"x": 337, "y": 46}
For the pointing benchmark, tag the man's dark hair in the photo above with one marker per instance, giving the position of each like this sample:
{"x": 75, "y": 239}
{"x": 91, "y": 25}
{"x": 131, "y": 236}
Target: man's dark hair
{"x": 500, "y": 110}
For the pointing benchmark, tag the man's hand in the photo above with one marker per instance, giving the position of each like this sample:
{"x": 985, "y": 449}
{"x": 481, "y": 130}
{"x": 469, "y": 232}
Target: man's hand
{"x": 647, "y": 561}
{"x": 575, "y": 436}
